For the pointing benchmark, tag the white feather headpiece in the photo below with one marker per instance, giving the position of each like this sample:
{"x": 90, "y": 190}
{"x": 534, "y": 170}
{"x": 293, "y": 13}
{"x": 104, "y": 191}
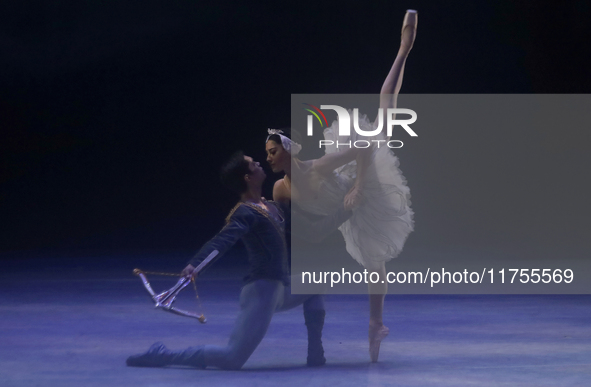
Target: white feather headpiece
{"x": 292, "y": 147}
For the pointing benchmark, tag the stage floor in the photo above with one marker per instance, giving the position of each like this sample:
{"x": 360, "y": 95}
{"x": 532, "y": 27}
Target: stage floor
{"x": 76, "y": 329}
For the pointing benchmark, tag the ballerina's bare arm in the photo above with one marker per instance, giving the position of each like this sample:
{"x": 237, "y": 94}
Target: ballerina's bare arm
{"x": 354, "y": 197}
{"x": 362, "y": 163}
{"x": 281, "y": 193}
{"x": 328, "y": 163}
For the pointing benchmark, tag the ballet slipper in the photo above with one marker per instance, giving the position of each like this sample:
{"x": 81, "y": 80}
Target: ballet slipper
{"x": 376, "y": 334}
{"x": 160, "y": 356}
{"x": 157, "y": 356}
{"x": 409, "y": 30}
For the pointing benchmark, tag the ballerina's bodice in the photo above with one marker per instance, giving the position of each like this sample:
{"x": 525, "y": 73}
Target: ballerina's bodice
{"x": 379, "y": 226}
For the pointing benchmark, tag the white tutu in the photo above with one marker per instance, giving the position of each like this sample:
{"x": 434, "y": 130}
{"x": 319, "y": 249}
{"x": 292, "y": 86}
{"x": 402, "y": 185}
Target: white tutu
{"x": 380, "y": 225}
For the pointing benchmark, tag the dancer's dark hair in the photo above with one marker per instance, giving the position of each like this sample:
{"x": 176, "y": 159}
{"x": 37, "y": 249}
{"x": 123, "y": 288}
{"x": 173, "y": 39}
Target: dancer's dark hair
{"x": 233, "y": 171}
{"x": 293, "y": 135}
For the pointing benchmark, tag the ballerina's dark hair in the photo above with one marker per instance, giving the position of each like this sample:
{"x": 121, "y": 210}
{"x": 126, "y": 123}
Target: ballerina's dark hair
{"x": 293, "y": 135}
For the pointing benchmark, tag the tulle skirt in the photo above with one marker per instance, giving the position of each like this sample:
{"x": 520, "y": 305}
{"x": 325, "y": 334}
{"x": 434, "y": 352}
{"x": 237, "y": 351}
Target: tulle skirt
{"x": 378, "y": 228}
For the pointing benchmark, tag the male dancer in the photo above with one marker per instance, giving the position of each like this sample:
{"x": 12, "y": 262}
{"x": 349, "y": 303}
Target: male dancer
{"x": 260, "y": 225}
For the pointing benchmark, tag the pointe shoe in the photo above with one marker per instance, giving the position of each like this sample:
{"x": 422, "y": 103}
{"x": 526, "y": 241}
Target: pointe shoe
{"x": 409, "y": 29}
{"x": 376, "y": 335}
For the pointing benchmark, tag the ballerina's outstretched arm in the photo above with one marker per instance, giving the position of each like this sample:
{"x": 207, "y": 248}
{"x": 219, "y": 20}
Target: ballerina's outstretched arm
{"x": 329, "y": 162}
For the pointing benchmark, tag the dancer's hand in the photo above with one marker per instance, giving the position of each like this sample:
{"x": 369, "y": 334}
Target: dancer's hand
{"x": 353, "y": 198}
{"x": 188, "y": 271}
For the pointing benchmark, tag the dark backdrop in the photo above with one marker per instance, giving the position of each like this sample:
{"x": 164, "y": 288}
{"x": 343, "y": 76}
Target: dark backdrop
{"x": 115, "y": 116}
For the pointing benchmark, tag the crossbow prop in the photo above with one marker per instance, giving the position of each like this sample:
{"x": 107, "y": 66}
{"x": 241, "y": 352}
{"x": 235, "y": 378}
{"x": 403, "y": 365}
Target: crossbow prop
{"x": 165, "y": 299}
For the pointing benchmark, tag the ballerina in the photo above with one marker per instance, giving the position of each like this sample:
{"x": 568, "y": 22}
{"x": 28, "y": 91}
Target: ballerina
{"x": 366, "y": 179}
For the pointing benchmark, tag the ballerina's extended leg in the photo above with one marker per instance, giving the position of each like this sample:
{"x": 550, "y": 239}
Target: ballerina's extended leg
{"x": 388, "y": 96}
{"x": 393, "y": 82}
{"x": 377, "y": 330}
